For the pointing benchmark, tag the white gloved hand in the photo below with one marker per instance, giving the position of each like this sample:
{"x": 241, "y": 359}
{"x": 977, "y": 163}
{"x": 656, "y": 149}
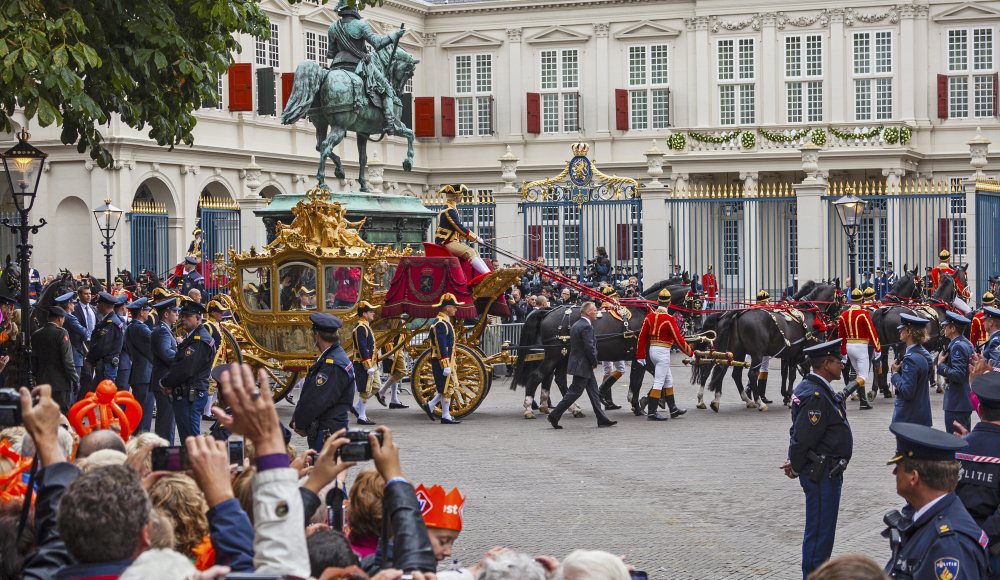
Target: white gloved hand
{"x": 372, "y": 371}
{"x": 446, "y": 371}
{"x": 641, "y": 361}
{"x": 480, "y": 240}
{"x": 878, "y": 355}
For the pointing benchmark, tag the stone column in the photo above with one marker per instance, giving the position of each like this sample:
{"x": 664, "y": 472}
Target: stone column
{"x": 605, "y": 109}
{"x": 979, "y": 147}
{"x": 507, "y": 220}
{"x": 838, "y": 91}
{"x": 676, "y": 233}
{"x": 252, "y": 229}
{"x": 753, "y": 276}
{"x": 515, "y": 89}
{"x": 656, "y": 256}
{"x": 812, "y": 218}
{"x": 769, "y": 63}
{"x": 905, "y": 73}
{"x": 508, "y": 172}
{"x": 703, "y": 64}
{"x": 375, "y": 171}
{"x": 654, "y": 165}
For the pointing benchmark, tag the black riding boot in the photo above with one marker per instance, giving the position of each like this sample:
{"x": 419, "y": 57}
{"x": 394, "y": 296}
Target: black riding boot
{"x": 865, "y": 405}
{"x": 762, "y": 387}
{"x": 675, "y": 411}
{"x": 604, "y": 392}
{"x": 653, "y": 413}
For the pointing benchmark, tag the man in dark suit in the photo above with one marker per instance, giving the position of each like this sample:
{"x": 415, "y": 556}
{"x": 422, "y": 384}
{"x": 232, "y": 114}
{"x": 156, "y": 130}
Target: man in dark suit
{"x": 582, "y": 360}
{"x": 85, "y": 312}
{"x": 54, "y": 358}
{"x": 78, "y": 335}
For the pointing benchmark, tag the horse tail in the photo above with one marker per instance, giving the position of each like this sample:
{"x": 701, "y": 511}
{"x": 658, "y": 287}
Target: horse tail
{"x": 530, "y": 336}
{"x": 309, "y": 77}
{"x": 724, "y": 340}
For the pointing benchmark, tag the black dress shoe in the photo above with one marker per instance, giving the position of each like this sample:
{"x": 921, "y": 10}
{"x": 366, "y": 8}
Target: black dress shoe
{"x": 449, "y": 421}
{"x": 380, "y": 398}
{"x": 677, "y": 412}
{"x": 608, "y": 424}
{"x": 610, "y": 405}
{"x": 366, "y": 422}
{"x": 429, "y": 411}
{"x": 353, "y": 411}
{"x": 555, "y": 423}
{"x": 765, "y": 400}
{"x": 398, "y": 406}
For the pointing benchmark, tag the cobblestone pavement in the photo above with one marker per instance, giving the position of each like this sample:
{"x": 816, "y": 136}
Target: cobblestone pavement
{"x": 701, "y": 496}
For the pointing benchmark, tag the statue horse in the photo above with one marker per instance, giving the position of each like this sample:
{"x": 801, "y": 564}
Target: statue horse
{"x": 335, "y": 102}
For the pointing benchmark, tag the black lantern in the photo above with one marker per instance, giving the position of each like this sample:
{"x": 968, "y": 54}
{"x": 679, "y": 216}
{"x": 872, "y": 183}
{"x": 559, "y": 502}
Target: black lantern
{"x": 851, "y": 210}
{"x": 108, "y": 217}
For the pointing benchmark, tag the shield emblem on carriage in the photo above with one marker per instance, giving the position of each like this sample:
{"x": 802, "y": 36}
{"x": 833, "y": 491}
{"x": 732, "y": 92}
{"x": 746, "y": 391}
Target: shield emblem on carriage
{"x": 814, "y": 416}
{"x": 426, "y": 282}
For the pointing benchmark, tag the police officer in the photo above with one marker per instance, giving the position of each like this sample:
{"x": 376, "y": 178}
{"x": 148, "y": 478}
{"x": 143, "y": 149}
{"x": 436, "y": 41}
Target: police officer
{"x": 991, "y": 322}
{"x": 911, "y": 375}
{"x": 77, "y": 331}
{"x": 820, "y": 445}
{"x": 124, "y": 360}
{"x": 937, "y": 538}
{"x": 442, "y": 337}
{"x": 979, "y": 478}
{"x": 192, "y": 277}
{"x": 186, "y": 381}
{"x": 54, "y": 358}
{"x": 328, "y": 388}
{"x": 163, "y": 346}
{"x": 105, "y": 343}
{"x": 364, "y": 360}
{"x": 953, "y": 365}
{"x": 138, "y": 345}
{"x": 156, "y": 296}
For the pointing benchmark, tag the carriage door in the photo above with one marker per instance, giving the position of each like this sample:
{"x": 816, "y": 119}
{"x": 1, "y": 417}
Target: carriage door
{"x": 219, "y": 219}
{"x": 148, "y": 225}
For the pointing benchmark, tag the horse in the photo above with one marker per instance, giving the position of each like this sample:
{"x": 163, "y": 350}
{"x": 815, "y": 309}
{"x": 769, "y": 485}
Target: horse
{"x": 148, "y": 281}
{"x": 684, "y": 298}
{"x": 335, "y": 102}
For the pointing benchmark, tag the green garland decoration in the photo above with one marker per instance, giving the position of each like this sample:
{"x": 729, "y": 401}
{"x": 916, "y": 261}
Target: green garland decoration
{"x": 677, "y": 141}
{"x": 818, "y": 137}
{"x": 904, "y": 135}
{"x": 869, "y": 134}
{"x": 890, "y": 135}
{"x": 706, "y": 138}
{"x": 748, "y": 140}
{"x": 780, "y": 138}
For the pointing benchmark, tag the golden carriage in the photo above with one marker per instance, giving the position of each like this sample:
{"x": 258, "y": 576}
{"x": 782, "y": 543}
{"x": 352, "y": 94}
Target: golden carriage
{"x": 320, "y": 263}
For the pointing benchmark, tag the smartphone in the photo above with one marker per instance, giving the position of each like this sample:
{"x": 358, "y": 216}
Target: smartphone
{"x": 236, "y": 452}
{"x": 638, "y": 575}
{"x": 173, "y": 458}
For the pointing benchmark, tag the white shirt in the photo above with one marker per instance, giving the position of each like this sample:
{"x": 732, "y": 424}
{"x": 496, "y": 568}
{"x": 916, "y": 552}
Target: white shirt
{"x": 927, "y": 507}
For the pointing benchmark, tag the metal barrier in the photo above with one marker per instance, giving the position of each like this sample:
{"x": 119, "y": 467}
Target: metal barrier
{"x": 494, "y": 335}
{"x": 987, "y": 233}
{"x": 149, "y": 237}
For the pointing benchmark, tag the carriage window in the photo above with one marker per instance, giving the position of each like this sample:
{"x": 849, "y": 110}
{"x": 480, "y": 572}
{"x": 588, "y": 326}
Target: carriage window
{"x": 257, "y": 288}
{"x": 343, "y": 285}
{"x": 297, "y": 287}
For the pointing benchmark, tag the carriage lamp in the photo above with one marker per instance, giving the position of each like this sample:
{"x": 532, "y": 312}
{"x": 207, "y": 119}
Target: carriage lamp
{"x": 850, "y": 210}
{"x": 107, "y": 217}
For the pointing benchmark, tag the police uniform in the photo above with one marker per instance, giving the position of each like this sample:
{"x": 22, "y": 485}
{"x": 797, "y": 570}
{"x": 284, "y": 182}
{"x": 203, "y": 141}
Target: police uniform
{"x": 977, "y": 332}
{"x": 820, "y": 445}
{"x": 955, "y": 370}
{"x": 442, "y": 337}
{"x": 912, "y": 403}
{"x": 158, "y": 295}
{"x": 451, "y": 233}
{"x": 940, "y": 540}
{"x": 124, "y": 361}
{"x": 327, "y": 390}
{"x": 658, "y": 335}
{"x": 991, "y": 350}
{"x": 163, "y": 346}
{"x": 53, "y": 359}
{"x": 364, "y": 361}
{"x": 193, "y": 279}
{"x": 979, "y": 479}
{"x": 857, "y": 332}
{"x": 187, "y": 377}
{"x": 138, "y": 345}
{"x": 77, "y": 331}
{"x": 106, "y": 344}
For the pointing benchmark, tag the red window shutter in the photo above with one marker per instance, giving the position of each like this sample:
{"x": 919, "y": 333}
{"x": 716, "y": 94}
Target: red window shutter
{"x": 534, "y": 242}
{"x": 623, "y": 242}
{"x": 944, "y": 233}
{"x": 942, "y": 101}
{"x": 287, "y": 80}
{"x": 621, "y": 110}
{"x": 534, "y": 113}
{"x": 423, "y": 112}
{"x": 447, "y": 116}
{"x": 241, "y": 87}
{"x": 996, "y": 93}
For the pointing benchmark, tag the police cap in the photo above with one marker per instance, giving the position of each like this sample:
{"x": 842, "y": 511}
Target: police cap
{"x": 911, "y": 321}
{"x": 168, "y": 304}
{"x": 991, "y": 312}
{"x": 987, "y": 388}
{"x": 192, "y": 307}
{"x": 922, "y": 442}
{"x": 56, "y": 311}
{"x": 193, "y": 260}
{"x": 324, "y": 322}
{"x": 140, "y": 304}
{"x": 831, "y": 348}
{"x": 121, "y": 299}
{"x": 105, "y": 298}
{"x": 65, "y": 298}
{"x": 955, "y": 318}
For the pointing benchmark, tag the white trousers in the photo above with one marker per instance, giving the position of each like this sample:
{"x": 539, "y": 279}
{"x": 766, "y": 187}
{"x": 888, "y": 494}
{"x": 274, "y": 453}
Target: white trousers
{"x": 659, "y": 357}
{"x": 611, "y": 366}
{"x": 857, "y": 353}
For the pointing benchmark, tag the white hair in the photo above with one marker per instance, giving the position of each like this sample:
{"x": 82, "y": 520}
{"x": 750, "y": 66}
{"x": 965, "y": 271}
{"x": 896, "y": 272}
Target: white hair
{"x": 101, "y": 458}
{"x": 63, "y": 437}
{"x": 591, "y": 565}
{"x": 159, "y": 565}
{"x": 511, "y": 566}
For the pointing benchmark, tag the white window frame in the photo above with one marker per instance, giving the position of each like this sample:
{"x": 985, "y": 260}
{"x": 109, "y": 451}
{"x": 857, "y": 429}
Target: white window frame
{"x": 742, "y": 88}
{"x": 868, "y": 84}
{"x": 268, "y": 52}
{"x": 647, "y": 94}
{"x": 965, "y": 78}
{"x": 566, "y": 114}
{"x": 805, "y": 83}
{"x": 474, "y": 107}
{"x": 319, "y": 43}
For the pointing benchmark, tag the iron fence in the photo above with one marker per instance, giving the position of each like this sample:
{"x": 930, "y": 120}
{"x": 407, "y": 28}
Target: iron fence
{"x": 149, "y": 237}
{"x": 987, "y": 233}
{"x": 220, "y": 225}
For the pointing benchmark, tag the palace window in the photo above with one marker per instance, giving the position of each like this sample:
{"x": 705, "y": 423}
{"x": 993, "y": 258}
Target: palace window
{"x": 267, "y": 49}
{"x": 737, "y": 75}
{"x": 316, "y": 46}
{"x": 804, "y": 78}
{"x": 971, "y": 73}
{"x": 560, "y": 90}
{"x": 474, "y": 94}
{"x": 648, "y": 79}
{"x": 873, "y": 75}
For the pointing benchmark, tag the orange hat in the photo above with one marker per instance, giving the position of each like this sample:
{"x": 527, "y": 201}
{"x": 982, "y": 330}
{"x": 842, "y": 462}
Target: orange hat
{"x": 441, "y": 510}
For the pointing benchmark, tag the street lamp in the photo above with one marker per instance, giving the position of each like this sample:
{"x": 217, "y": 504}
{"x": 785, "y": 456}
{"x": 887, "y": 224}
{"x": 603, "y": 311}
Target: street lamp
{"x": 107, "y": 217}
{"x": 850, "y": 210}
{"x": 23, "y": 164}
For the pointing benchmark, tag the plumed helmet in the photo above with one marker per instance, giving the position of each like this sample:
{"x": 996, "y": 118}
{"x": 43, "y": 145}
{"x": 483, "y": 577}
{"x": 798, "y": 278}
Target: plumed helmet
{"x": 988, "y": 299}
{"x": 856, "y": 295}
{"x": 763, "y": 295}
{"x": 945, "y": 255}
{"x": 664, "y": 297}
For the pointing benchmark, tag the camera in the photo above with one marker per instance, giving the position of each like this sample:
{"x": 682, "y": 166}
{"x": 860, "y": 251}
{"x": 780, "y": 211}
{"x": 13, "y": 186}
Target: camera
{"x": 10, "y": 408}
{"x": 359, "y": 448}
{"x": 173, "y": 458}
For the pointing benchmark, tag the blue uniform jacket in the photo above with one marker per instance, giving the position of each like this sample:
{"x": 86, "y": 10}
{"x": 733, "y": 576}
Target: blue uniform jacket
{"x": 193, "y": 362}
{"x": 77, "y": 338}
{"x": 913, "y": 398}
{"x": 106, "y": 347}
{"x": 819, "y": 424}
{"x": 991, "y": 350}
{"x": 124, "y": 362}
{"x": 164, "y": 349}
{"x": 364, "y": 345}
{"x": 944, "y": 543}
{"x": 450, "y": 227}
{"x": 138, "y": 344}
{"x": 979, "y": 479}
{"x": 442, "y": 340}
{"x": 955, "y": 370}
{"x": 193, "y": 279}
{"x": 327, "y": 392}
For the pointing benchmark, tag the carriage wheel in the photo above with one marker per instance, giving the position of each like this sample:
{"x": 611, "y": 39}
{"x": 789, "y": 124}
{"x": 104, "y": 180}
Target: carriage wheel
{"x": 473, "y": 375}
{"x": 282, "y": 381}
{"x": 229, "y": 353}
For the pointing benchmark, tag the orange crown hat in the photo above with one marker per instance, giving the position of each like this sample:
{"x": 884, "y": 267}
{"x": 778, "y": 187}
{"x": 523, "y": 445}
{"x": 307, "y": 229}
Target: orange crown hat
{"x": 441, "y": 510}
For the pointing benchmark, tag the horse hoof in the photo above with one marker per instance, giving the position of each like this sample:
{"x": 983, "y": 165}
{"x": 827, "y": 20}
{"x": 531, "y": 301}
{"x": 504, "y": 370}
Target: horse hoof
{"x": 715, "y": 406}
{"x": 700, "y": 406}
{"x": 543, "y": 409}
{"x": 407, "y": 165}
{"x": 578, "y": 414}
{"x": 529, "y": 415}
{"x": 751, "y": 405}
{"x": 854, "y": 396}
{"x": 339, "y": 174}
{"x": 762, "y": 408}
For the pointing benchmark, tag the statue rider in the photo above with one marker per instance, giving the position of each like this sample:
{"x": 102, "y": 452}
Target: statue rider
{"x": 348, "y": 47}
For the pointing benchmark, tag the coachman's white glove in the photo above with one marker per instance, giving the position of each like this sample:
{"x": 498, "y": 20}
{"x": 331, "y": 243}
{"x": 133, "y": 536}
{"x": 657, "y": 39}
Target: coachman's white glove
{"x": 446, "y": 371}
{"x": 372, "y": 371}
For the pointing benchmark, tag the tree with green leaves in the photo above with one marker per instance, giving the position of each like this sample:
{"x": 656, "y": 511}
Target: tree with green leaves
{"x": 77, "y": 63}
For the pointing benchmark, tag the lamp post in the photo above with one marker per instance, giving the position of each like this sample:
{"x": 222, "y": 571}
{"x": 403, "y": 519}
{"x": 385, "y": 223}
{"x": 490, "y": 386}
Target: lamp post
{"x": 107, "y": 217}
{"x": 23, "y": 164}
{"x": 850, "y": 210}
